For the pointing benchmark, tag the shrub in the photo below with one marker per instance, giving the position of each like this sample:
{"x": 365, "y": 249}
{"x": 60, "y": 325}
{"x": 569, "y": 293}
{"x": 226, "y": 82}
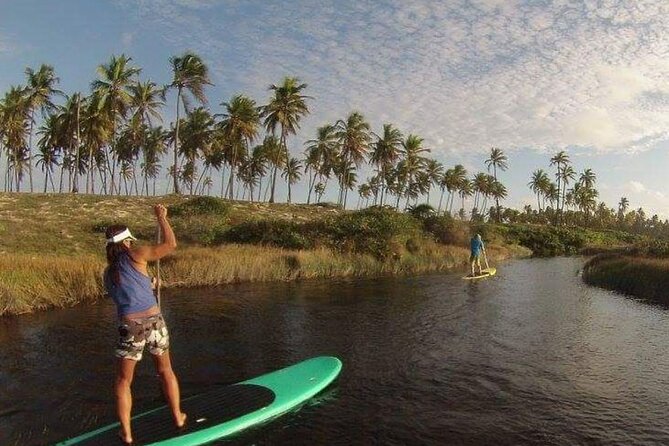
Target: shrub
{"x": 280, "y": 233}
{"x": 446, "y": 230}
{"x": 422, "y": 211}
{"x": 547, "y": 241}
{"x": 370, "y": 231}
{"x": 203, "y": 205}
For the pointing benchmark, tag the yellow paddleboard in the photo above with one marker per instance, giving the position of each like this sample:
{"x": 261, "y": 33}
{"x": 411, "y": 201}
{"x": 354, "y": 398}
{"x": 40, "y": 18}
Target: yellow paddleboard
{"x": 484, "y": 273}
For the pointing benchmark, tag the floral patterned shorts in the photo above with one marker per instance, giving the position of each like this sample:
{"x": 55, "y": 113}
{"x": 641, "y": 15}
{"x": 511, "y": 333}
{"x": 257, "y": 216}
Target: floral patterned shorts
{"x": 133, "y": 336}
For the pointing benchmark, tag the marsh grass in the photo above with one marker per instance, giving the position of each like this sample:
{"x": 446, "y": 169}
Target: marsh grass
{"x": 29, "y": 282}
{"x": 642, "y": 277}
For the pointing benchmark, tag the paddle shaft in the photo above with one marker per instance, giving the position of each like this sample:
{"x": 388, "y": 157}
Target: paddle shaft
{"x": 158, "y": 234}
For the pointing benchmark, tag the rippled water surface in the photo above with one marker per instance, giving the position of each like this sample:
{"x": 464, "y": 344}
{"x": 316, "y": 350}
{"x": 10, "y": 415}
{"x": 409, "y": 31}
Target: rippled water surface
{"x": 531, "y": 356}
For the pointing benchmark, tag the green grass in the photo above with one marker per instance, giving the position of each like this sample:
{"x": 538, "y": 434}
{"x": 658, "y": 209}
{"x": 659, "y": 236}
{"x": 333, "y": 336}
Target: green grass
{"x": 643, "y": 277}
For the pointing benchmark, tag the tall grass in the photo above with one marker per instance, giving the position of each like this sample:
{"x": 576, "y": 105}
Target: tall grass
{"x": 29, "y": 282}
{"x": 642, "y": 277}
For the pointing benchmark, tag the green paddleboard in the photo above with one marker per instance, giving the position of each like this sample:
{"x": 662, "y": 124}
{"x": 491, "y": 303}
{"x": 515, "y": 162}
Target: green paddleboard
{"x": 225, "y": 410}
{"x": 487, "y": 272}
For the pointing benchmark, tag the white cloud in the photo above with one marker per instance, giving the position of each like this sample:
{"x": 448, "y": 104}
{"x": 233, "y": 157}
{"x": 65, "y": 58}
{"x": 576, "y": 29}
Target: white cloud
{"x": 127, "y": 38}
{"x": 463, "y": 74}
{"x": 636, "y": 186}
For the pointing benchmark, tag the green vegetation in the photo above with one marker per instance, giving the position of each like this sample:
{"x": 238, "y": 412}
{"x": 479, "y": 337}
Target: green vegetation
{"x": 55, "y": 255}
{"x": 644, "y": 277}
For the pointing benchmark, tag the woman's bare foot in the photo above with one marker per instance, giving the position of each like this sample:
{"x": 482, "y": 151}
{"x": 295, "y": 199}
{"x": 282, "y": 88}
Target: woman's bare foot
{"x": 126, "y": 439}
{"x": 181, "y": 420}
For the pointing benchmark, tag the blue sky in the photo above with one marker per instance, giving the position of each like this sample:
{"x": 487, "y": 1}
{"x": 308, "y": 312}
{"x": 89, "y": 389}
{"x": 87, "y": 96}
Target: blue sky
{"x": 529, "y": 77}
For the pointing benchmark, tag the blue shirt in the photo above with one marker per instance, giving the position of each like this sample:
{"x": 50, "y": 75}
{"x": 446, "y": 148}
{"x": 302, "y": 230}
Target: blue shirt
{"x": 133, "y": 294}
{"x": 476, "y": 245}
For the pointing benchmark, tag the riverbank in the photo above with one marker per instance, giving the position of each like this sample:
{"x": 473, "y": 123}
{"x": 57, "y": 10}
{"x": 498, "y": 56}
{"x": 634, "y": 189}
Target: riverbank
{"x": 52, "y": 245}
{"x": 635, "y": 275}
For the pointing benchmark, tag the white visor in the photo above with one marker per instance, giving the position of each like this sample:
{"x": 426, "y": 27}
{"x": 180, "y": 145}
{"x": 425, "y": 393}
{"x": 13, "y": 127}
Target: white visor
{"x": 121, "y": 236}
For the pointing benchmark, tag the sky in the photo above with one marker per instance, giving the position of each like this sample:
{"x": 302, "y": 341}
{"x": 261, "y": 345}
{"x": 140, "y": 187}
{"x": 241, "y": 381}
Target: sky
{"x": 530, "y": 77}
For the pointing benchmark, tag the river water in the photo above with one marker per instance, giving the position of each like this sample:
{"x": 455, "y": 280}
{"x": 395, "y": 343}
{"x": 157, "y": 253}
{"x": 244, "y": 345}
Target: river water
{"x": 531, "y": 356}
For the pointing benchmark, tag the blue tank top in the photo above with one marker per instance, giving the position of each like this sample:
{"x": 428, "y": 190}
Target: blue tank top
{"x": 475, "y": 246}
{"x": 133, "y": 294}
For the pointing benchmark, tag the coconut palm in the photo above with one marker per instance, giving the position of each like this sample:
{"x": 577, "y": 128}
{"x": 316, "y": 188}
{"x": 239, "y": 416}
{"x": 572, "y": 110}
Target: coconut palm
{"x": 113, "y": 94}
{"x": 321, "y": 154}
{"x": 15, "y": 128}
{"x": 623, "y": 205}
{"x": 497, "y": 160}
{"x": 155, "y": 146}
{"x": 239, "y": 127}
{"x": 588, "y": 178}
{"x": 285, "y": 110}
{"x": 434, "y": 171}
{"x": 559, "y": 160}
{"x": 460, "y": 180}
{"x": 413, "y": 162}
{"x": 275, "y": 156}
{"x": 385, "y": 152}
{"x": 354, "y": 137}
{"x": 538, "y": 184}
{"x": 40, "y": 88}
{"x": 190, "y": 76}
{"x": 319, "y": 190}
{"x": 49, "y": 149}
{"x": 291, "y": 173}
{"x": 197, "y": 137}
{"x": 567, "y": 175}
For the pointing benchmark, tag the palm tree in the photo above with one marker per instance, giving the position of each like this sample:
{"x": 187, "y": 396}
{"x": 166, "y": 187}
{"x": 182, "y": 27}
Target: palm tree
{"x": 291, "y": 173}
{"x": 39, "y": 90}
{"x": 460, "y": 181}
{"x": 112, "y": 91}
{"x": 497, "y": 160}
{"x": 354, "y": 137}
{"x": 285, "y": 109}
{"x": 275, "y": 155}
{"x": 155, "y": 146}
{"x": 14, "y": 130}
{"x": 538, "y": 184}
{"x": 623, "y": 205}
{"x": 559, "y": 160}
{"x": 385, "y": 152}
{"x": 465, "y": 189}
{"x": 566, "y": 175}
{"x": 321, "y": 154}
{"x": 190, "y": 76}
{"x": 198, "y": 130}
{"x": 588, "y": 178}
{"x": 319, "y": 190}
{"x": 49, "y": 148}
{"x": 239, "y": 127}
{"x": 413, "y": 162}
{"x": 434, "y": 171}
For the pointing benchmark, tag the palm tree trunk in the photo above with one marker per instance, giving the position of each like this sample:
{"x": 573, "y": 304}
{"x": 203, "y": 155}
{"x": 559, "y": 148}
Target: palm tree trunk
{"x": 176, "y": 144}
{"x": 30, "y": 145}
{"x": 75, "y": 187}
{"x": 271, "y": 198}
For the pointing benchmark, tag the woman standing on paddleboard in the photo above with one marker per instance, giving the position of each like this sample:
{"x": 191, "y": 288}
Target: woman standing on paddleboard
{"x": 127, "y": 281}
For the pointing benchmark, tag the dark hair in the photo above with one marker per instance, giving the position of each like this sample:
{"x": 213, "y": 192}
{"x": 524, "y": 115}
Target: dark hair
{"x": 114, "y": 251}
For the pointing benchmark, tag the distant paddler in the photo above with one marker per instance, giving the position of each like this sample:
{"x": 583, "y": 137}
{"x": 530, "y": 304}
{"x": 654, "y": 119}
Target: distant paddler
{"x": 477, "y": 247}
